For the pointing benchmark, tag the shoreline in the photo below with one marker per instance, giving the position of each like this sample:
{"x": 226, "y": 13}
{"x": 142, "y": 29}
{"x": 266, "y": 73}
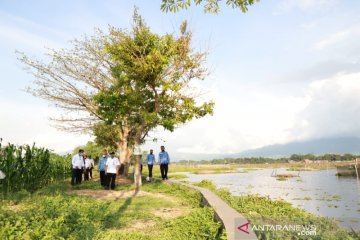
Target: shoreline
{"x": 278, "y": 212}
{"x": 314, "y": 199}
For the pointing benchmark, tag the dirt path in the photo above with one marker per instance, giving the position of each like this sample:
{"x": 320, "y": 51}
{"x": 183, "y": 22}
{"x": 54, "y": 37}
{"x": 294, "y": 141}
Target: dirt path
{"x": 119, "y": 180}
{"x": 166, "y": 213}
{"x": 113, "y": 195}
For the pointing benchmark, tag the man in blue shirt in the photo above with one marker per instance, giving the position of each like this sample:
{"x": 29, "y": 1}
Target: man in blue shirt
{"x": 150, "y": 160}
{"x": 102, "y": 167}
{"x": 164, "y": 160}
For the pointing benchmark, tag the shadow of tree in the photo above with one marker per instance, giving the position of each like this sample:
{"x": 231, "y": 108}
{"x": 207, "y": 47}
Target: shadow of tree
{"x": 112, "y": 220}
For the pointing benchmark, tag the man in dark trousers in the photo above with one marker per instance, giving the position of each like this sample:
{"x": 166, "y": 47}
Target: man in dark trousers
{"x": 102, "y": 167}
{"x": 164, "y": 160}
{"x": 77, "y": 166}
{"x": 112, "y": 167}
{"x": 150, "y": 161}
{"x": 92, "y": 164}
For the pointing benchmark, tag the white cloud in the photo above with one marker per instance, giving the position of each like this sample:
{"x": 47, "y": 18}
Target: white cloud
{"x": 310, "y": 25}
{"x": 26, "y": 123}
{"x": 18, "y": 31}
{"x": 328, "y": 108}
{"x": 251, "y": 118}
{"x": 333, "y": 109}
{"x": 337, "y": 37}
{"x": 241, "y": 122}
{"x": 303, "y": 5}
{"x": 19, "y": 37}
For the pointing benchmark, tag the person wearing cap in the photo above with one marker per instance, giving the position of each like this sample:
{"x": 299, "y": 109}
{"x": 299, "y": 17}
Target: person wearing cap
{"x": 150, "y": 160}
{"x": 77, "y": 166}
{"x": 164, "y": 160}
{"x": 112, "y": 167}
{"x": 102, "y": 167}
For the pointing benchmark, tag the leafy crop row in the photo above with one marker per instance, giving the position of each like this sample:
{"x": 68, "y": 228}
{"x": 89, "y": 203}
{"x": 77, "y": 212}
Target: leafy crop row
{"x": 30, "y": 168}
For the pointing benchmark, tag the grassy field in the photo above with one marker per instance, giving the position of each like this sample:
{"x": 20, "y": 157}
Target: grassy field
{"x": 59, "y": 211}
{"x": 262, "y": 210}
{"x": 158, "y": 211}
{"x": 197, "y": 169}
{"x": 296, "y": 166}
{"x": 175, "y": 170}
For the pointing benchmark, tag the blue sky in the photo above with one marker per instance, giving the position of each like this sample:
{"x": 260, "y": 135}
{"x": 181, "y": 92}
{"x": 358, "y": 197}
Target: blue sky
{"x": 286, "y": 70}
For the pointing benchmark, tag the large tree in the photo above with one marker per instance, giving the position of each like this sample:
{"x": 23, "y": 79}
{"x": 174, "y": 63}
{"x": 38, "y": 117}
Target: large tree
{"x": 153, "y": 75}
{"x": 106, "y": 136}
{"x": 126, "y": 82}
{"x": 91, "y": 149}
{"x": 211, "y": 6}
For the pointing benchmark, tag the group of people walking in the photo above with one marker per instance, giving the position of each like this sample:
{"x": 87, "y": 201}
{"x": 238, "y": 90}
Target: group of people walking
{"x": 164, "y": 161}
{"x": 109, "y": 166}
{"x": 81, "y": 165}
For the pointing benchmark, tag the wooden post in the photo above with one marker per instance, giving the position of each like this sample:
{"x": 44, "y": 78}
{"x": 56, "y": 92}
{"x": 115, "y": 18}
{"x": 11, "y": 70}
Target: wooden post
{"x": 356, "y": 170}
{"x": 137, "y": 173}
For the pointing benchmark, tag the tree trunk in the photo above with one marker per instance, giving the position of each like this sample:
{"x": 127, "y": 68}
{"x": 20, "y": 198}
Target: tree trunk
{"x": 124, "y": 158}
{"x": 137, "y": 172}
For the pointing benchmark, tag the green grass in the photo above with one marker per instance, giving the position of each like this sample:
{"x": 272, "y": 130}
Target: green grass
{"x": 301, "y": 168}
{"x": 53, "y": 213}
{"x": 305, "y": 198}
{"x": 177, "y": 176}
{"x": 186, "y": 196}
{"x": 281, "y": 178}
{"x": 329, "y": 198}
{"x": 263, "y": 210}
{"x": 216, "y": 171}
{"x": 174, "y": 168}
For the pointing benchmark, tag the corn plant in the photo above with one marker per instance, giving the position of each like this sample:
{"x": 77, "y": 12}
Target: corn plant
{"x": 30, "y": 168}
{"x": 60, "y": 167}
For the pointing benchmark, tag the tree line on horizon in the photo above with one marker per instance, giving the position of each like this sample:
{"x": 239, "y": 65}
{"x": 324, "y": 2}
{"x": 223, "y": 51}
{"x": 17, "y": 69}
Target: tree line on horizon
{"x": 294, "y": 157}
{"x": 94, "y": 149}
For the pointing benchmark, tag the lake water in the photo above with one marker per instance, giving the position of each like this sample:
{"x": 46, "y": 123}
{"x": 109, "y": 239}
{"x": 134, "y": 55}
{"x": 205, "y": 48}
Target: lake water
{"x": 318, "y": 192}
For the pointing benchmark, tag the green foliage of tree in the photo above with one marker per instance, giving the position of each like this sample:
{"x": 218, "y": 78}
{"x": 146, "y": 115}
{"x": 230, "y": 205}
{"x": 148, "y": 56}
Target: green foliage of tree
{"x": 153, "y": 75}
{"x": 296, "y": 157}
{"x": 107, "y": 135}
{"x": 210, "y": 6}
{"x": 122, "y": 84}
{"x": 91, "y": 149}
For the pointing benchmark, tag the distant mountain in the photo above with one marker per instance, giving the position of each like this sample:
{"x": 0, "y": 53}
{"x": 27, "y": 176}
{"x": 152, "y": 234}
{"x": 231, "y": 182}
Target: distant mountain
{"x": 316, "y": 146}
{"x": 196, "y": 156}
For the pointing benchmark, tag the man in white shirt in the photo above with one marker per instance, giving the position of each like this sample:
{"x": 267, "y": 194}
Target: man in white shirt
{"x": 77, "y": 166}
{"x": 2, "y": 175}
{"x": 87, "y": 168}
{"x": 112, "y": 167}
